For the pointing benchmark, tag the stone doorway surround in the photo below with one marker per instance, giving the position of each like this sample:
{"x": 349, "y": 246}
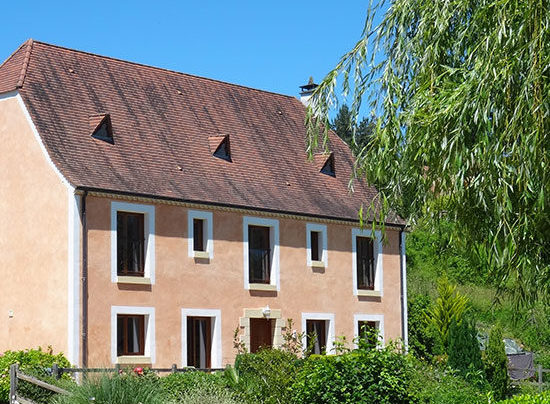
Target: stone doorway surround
{"x": 271, "y": 314}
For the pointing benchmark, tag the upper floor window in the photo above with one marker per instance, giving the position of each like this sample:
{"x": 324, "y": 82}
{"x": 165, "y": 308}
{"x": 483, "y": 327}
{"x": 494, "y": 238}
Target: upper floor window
{"x": 200, "y": 234}
{"x": 261, "y": 253}
{"x": 367, "y": 263}
{"x": 316, "y": 243}
{"x": 130, "y": 244}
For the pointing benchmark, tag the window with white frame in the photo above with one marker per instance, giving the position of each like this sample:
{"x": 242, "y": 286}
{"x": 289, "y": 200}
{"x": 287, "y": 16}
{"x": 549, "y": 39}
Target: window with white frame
{"x": 368, "y": 326}
{"x": 316, "y": 243}
{"x": 200, "y": 234}
{"x": 132, "y": 243}
{"x": 318, "y": 332}
{"x": 132, "y": 334}
{"x": 367, "y": 263}
{"x": 201, "y": 339}
{"x": 261, "y": 253}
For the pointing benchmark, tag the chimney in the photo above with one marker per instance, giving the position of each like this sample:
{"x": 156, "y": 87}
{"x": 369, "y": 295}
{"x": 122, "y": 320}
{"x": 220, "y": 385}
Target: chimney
{"x": 307, "y": 90}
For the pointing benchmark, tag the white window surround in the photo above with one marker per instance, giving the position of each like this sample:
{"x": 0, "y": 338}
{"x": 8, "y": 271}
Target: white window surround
{"x": 273, "y": 225}
{"x": 207, "y": 233}
{"x": 149, "y": 348}
{"x": 216, "y": 347}
{"x": 149, "y": 233}
{"x": 379, "y": 272}
{"x": 329, "y": 317}
{"x": 377, "y": 318}
{"x": 322, "y": 230}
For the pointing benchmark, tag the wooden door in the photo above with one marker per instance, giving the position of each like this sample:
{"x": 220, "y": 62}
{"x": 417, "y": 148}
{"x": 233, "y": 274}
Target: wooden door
{"x": 261, "y": 334}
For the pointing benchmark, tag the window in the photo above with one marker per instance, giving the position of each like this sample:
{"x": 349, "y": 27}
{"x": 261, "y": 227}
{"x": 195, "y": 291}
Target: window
{"x": 132, "y": 243}
{"x": 201, "y": 340}
{"x": 199, "y": 343}
{"x": 367, "y": 263}
{"x": 261, "y": 253}
{"x": 316, "y": 243}
{"x": 200, "y": 234}
{"x": 367, "y": 331}
{"x": 130, "y": 334}
{"x": 316, "y": 335}
{"x": 367, "y": 322}
{"x": 318, "y": 329}
{"x": 328, "y": 167}
{"x": 223, "y": 151}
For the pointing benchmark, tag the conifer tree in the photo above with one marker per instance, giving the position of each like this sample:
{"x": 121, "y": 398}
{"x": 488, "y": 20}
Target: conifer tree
{"x": 496, "y": 364}
{"x": 463, "y": 350}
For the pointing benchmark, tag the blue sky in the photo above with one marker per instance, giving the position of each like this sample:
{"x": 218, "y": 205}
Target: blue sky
{"x": 270, "y": 45}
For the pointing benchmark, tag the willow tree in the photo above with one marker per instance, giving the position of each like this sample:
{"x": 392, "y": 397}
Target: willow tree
{"x": 462, "y": 92}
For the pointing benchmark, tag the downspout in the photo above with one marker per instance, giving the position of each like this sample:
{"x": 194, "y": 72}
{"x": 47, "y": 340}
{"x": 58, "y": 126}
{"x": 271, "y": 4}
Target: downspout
{"x": 404, "y": 314}
{"x": 84, "y": 281}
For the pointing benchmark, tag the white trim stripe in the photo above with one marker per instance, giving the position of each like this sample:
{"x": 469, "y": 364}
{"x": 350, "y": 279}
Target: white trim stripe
{"x": 73, "y": 284}
{"x": 216, "y": 347}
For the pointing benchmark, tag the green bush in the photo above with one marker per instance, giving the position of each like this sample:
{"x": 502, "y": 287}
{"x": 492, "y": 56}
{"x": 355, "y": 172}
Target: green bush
{"x": 117, "y": 389}
{"x": 496, "y": 364}
{"x": 422, "y": 338}
{"x": 35, "y": 362}
{"x": 265, "y": 376}
{"x": 543, "y": 398}
{"x": 361, "y": 376}
{"x": 186, "y": 383}
{"x": 464, "y": 352}
{"x": 441, "y": 385}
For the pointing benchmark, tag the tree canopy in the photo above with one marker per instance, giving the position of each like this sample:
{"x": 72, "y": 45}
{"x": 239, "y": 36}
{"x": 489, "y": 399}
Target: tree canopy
{"x": 356, "y": 136}
{"x": 462, "y": 94}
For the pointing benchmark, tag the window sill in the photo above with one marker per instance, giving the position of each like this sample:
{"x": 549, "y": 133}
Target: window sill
{"x": 133, "y": 280}
{"x": 317, "y": 264}
{"x": 262, "y": 286}
{"x": 201, "y": 254}
{"x": 133, "y": 360}
{"x": 366, "y": 292}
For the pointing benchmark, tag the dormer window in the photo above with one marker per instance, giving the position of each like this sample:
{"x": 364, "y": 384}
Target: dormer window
{"x": 219, "y": 145}
{"x": 101, "y": 127}
{"x": 328, "y": 167}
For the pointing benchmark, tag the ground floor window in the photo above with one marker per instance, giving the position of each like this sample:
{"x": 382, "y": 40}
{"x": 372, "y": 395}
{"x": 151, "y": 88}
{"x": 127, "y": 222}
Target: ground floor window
{"x": 199, "y": 342}
{"x": 370, "y": 326}
{"x": 130, "y": 334}
{"x": 316, "y": 337}
{"x": 367, "y": 331}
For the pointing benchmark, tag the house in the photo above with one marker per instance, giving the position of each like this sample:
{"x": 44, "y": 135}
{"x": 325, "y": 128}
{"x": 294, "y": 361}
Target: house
{"x": 145, "y": 214}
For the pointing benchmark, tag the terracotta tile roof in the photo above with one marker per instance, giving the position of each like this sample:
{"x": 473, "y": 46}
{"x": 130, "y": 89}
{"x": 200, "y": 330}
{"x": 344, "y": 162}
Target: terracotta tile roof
{"x": 164, "y": 126}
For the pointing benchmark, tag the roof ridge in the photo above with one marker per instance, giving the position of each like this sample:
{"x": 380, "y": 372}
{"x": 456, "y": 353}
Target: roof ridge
{"x": 28, "y": 51}
{"x": 161, "y": 68}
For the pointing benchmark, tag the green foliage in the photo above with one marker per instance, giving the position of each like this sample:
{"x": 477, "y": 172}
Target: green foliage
{"x": 366, "y": 375}
{"x": 449, "y": 306}
{"x": 461, "y": 89}
{"x": 496, "y": 364}
{"x": 292, "y": 340}
{"x": 440, "y": 385}
{"x": 264, "y": 376}
{"x": 117, "y": 389}
{"x": 355, "y": 135}
{"x": 542, "y": 398}
{"x": 422, "y": 337}
{"x": 463, "y": 350}
{"x": 194, "y": 382}
{"x": 34, "y": 362}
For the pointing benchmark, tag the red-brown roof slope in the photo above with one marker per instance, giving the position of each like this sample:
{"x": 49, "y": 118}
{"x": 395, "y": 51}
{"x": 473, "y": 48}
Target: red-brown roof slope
{"x": 162, "y": 121}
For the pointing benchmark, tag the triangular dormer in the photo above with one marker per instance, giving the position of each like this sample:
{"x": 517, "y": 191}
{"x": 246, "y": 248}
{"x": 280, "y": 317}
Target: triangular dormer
{"x": 328, "y": 166}
{"x": 101, "y": 127}
{"x": 219, "y": 147}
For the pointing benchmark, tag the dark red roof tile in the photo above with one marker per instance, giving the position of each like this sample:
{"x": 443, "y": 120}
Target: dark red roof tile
{"x": 164, "y": 124}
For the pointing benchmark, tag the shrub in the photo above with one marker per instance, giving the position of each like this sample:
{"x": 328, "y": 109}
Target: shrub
{"x": 117, "y": 389}
{"x": 464, "y": 352}
{"x": 441, "y": 385}
{"x": 186, "y": 383}
{"x": 206, "y": 396}
{"x": 422, "y": 340}
{"x": 496, "y": 364}
{"x": 543, "y": 398}
{"x": 364, "y": 375}
{"x": 265, "y": 376}
{"x": 35, "y": 362}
